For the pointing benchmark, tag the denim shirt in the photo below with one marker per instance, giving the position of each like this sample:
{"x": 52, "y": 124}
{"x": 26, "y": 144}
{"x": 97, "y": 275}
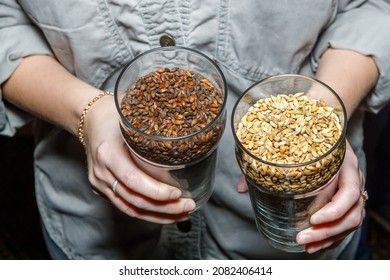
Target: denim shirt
{"x": 249, "y": 40}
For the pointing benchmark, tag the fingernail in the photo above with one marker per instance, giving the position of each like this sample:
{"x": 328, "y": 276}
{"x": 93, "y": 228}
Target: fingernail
{"x": 303, "y": 239}
{"x": 175, "y": 194}
{"x": 183, "y": 219}
{"x": 316, "y": 219}
{"x": 189, "y": 206}
{"x": 311, "y": 250}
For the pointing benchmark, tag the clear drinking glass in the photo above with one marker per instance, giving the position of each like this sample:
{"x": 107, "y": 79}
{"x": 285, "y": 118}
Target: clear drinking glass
{"x": 284, "y": 196}
{"x": 186, "y": 161}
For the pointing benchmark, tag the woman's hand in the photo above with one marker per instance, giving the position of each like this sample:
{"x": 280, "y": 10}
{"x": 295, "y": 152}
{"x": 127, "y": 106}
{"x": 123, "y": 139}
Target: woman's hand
{"x": 44, "y": 88}
{"x": 136, "y": 194}
{"x": 342, "y": 215}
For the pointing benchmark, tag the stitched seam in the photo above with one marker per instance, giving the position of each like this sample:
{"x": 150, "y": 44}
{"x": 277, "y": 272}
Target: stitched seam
{"x": 113, "y": 33}
{"x": 184, "y": 10}
{"x": 222, "y": 39}
{"x": 177, "y": 26}
{"x": 148, "y": 22}
{"x": 121, "y": 48}
{"x": 110, "y": 21}
{"x": 148, "y": 15}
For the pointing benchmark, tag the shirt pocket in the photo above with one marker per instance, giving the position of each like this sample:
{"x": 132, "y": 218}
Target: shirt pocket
{"x": 262, "y": 38}
{"x": 82, "y": 35}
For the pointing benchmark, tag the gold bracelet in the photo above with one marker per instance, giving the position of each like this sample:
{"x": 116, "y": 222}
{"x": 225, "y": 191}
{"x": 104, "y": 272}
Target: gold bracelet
{"x": 89, "y": 105}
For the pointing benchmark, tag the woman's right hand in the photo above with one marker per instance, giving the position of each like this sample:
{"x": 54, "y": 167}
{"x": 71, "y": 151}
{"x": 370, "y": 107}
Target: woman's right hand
{"x": 137, "y": 194}
{"x": 43, "y": 87}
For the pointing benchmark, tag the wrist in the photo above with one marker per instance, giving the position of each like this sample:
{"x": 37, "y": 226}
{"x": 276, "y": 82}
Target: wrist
{"x": 86, "y": 109}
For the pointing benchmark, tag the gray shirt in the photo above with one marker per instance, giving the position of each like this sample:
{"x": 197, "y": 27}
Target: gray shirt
{"x": 249, "y": 40}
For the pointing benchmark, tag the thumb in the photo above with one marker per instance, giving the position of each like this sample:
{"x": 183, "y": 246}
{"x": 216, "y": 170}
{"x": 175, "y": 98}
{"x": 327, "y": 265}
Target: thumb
{"x": 242, "y": 187}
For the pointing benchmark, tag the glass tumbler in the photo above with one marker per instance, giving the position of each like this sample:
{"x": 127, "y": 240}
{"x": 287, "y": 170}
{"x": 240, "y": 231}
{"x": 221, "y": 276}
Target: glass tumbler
{"x": 186, "y": 161}
{"x": 284, "y": 196}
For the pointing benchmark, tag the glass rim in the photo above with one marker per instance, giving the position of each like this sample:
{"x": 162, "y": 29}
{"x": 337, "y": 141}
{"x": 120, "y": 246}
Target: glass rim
{"x": 338, "y": 143}
{"x": 171, "y": 48}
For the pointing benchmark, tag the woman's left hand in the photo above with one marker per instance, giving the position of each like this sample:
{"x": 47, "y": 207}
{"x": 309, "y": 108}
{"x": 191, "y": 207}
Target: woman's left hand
{"x": 342, "y": 215}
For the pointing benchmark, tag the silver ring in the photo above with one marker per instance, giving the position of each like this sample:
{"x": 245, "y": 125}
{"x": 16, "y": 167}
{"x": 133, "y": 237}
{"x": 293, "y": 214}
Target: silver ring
{"x": 114, "y": 185}
{"x": 364, "y": 195}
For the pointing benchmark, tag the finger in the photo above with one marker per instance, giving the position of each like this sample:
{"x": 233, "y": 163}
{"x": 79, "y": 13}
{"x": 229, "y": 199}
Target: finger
{"x": 325, "y": 244}
{"x": 127, "y": 172}
{"x": 351, "y": 181}
{"x": 145, "y": 215}
{"x": 141, "y": 202}
{"x": 343, "y": 226}
{"x": 242, "y": 187}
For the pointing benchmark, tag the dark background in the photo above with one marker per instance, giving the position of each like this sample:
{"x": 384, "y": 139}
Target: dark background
{"x": 20, "y": 231}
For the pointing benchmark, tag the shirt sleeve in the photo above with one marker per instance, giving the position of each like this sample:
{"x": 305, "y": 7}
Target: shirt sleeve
{"x": 19, "y": 38}
{"x": 362, "y": 26}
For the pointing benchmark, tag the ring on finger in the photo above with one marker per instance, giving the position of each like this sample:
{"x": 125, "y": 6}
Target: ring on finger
{"x": 114, "y": 185}
{"x": 364, "y": 195}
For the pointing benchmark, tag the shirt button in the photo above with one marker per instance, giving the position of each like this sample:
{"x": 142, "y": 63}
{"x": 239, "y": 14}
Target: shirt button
{"x": 167, "y": 40}
{"x": 184, "y": 226}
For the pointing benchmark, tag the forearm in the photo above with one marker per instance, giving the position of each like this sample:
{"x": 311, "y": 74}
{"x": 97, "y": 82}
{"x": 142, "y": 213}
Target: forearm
{"x": 350, "y": 74}
{"x": 42, "y": 87}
